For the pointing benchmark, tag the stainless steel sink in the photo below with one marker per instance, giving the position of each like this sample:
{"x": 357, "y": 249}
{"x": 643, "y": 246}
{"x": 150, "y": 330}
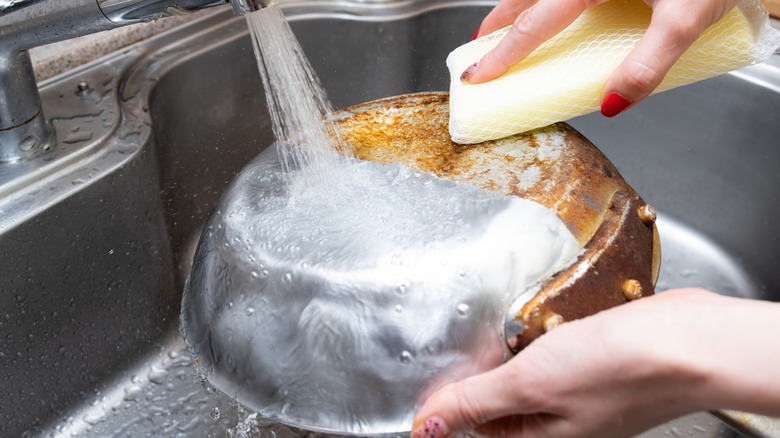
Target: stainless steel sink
{"x": 96, "y": 237}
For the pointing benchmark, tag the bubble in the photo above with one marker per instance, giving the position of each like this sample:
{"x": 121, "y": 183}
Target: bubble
{"x": 250, "y": 311}
{"x": 406, "y": 357}
{"x": 399, "y": 308}
{"x": 215, "y": 413}
{"x": 463, "y": 309}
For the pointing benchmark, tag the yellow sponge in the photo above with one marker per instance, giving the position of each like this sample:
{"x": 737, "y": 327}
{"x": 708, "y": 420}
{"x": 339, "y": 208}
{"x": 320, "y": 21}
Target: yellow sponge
{"x": 564, "y": 77}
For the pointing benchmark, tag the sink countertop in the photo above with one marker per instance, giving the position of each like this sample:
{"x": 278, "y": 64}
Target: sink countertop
{"x": 53, "y": 59}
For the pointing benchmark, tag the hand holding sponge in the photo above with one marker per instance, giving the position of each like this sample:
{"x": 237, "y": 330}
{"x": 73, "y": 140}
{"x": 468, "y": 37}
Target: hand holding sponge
{"x": 564, "y": 77}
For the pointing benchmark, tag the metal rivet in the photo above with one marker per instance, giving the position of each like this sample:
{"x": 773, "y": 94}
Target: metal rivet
{"x": 647, "y": 214}
{"x": 632, "y": 289}
{"x": 551, "y": 321}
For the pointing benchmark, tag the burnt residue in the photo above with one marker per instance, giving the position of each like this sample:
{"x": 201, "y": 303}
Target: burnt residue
{"x": 555, "y": 166}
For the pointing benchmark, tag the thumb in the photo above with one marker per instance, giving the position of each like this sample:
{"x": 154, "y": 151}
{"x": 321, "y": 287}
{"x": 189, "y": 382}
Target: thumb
{"x": 461, "y": 406}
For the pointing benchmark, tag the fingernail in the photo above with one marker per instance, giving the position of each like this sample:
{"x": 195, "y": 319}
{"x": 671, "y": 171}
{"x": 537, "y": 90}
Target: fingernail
{"x": 469, "y": 72}
{"x": 433, "y": 427}
{"x": 613, "y": 105}
{"x": 476, "y": 34}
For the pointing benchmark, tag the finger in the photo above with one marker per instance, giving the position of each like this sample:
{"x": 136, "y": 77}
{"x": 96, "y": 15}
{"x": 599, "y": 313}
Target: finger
{"x": 526, "y": 426}
{"x": 670, "y": 34}
{"x": 530, "y": 29}
{"x": 503, "y": 15}
{"x": 460, "y": 406}
{"x": 508, "y": 427}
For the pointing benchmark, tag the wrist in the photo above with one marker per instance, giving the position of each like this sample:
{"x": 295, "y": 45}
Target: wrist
{"x": 703, "y": 351}
{"x": 659, "y": 345}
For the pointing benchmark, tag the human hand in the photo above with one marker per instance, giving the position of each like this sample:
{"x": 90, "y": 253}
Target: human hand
{"x": 622, "y": 371}
{"x": 675, "y": 25}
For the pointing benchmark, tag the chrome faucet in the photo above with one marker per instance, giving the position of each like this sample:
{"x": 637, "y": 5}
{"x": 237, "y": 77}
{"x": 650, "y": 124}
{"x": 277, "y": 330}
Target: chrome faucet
{"x": 25, "y": 24}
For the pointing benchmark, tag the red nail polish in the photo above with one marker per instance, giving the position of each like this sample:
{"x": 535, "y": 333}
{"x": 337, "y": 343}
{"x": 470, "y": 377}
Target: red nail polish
{"x": 476, "y": 34}
{"x": 469, "y": 72}
{"x": 614, "y": 104}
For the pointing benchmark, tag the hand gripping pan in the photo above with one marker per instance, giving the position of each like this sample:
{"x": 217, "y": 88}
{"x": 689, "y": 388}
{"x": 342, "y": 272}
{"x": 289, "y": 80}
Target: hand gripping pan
{"x": 327, "y": 349}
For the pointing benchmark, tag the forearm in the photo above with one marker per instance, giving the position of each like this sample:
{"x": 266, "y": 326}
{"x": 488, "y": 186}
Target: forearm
{"x": 727, "y": 350}
{"x": 742, "y": 360}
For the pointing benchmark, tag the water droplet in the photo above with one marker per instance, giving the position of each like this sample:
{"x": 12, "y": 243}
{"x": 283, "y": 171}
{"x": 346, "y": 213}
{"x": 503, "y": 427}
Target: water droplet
{"x": 288, "y": 278}
{"x": 253, "y": 274}
{"x": 403, "y": 288}
{"x": 94, "y": 418}
{"x": 230, "y": 363}
{"x": 215, "y": 413}
{"x": 133, "y": 392}
{"x": 399, "y": 308}
{"x": 157, "y": 376}
{"x": 406, "y": 357}
{"x": 463, "y": 309}
{"x": 250, "y": 311}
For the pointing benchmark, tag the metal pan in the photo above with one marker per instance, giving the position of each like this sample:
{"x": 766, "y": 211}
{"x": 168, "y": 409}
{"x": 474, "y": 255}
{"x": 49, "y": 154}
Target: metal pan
{"x": 335, "y": 381}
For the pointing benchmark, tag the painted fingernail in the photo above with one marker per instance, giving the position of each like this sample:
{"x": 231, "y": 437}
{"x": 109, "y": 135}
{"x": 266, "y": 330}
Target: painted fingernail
{"x": 433, "y": 427}
{"x": 614, "y": 104}
{"x": 469, "y": 72}
{"x": 476, "y": 34}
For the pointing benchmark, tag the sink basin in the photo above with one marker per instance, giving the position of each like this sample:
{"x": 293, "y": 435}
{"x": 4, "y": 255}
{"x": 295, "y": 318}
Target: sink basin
{"x": 97, "y": 237}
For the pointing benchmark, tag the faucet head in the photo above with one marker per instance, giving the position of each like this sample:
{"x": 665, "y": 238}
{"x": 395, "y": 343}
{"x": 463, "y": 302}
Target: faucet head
{"x": 241, "y": 7}
{"x": 122, "y": 12}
